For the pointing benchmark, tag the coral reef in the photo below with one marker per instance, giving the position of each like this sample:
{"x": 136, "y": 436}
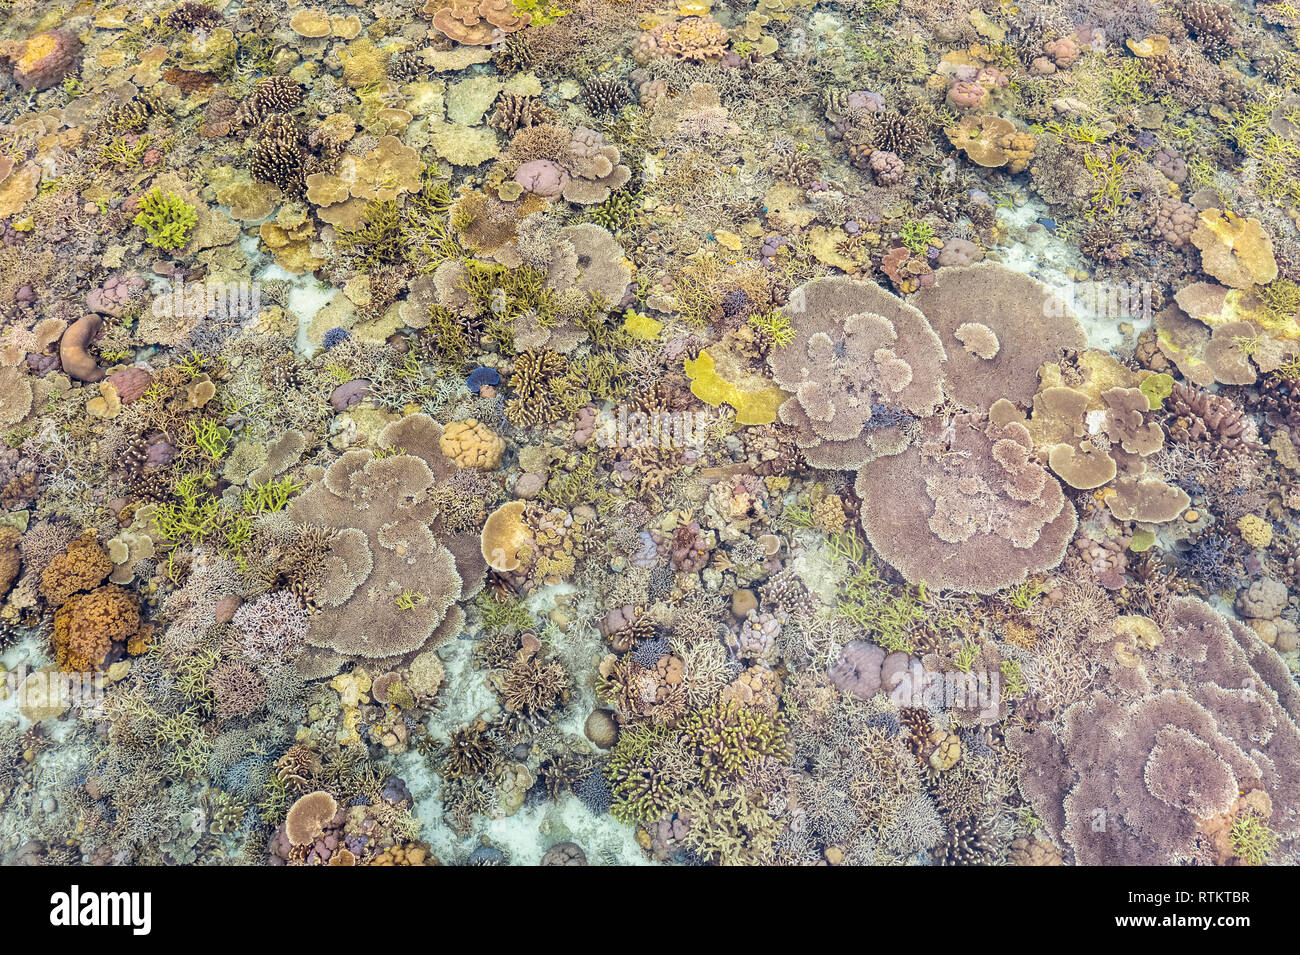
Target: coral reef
{"x": 505, "y": 432}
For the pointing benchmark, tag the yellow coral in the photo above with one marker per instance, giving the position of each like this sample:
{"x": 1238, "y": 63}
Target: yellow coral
{"x": 1236, "y": 251}
{"x": 504, "y": 535}
{"x": 1255, "y": 531}
{"x": 756, "y": 406}
{"x": 472, "y": 444}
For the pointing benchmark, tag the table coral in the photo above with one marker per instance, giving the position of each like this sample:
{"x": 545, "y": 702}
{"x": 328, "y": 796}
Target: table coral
{"x": 966, "y": 508}
{"x": 1032, "y": 324}
{"x": 1160, "y": 764}
{"x": 388, "y": 584}
{"x": 1236, "y": 251}
{"x": 475, "y": 22}
{"x": 862, "y": 366}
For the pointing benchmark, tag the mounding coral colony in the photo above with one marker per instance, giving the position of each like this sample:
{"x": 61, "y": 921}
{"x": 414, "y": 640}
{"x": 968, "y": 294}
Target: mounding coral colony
{"x": 754, "y": 432}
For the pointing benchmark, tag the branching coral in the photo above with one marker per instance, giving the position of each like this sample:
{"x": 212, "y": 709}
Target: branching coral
{"x": 728, "y": 739}
{"x": 167, "y": 219}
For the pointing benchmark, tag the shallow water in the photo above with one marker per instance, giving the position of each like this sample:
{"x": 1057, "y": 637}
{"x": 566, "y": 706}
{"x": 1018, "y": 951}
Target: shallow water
{"x": 759, "y": 433}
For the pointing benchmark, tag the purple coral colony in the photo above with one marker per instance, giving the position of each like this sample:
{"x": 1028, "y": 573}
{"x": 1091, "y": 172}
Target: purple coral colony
{"x": 606, "y": 432}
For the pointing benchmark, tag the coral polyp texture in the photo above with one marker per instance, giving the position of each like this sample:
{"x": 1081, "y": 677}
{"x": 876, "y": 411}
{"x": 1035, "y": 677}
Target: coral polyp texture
{"x": 773, "y": 432}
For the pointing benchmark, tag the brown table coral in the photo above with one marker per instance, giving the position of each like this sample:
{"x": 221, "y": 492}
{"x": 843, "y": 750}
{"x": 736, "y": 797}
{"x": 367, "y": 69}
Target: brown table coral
{"x": 993, "y": 141}
{"x": 998, "y": 327}
{"x": 475, "y": 22}
{"x": 1157, "y": 766}
{"x": 388, "y": 586}
{"x": 862, "y": 364}
{"x": 966, "y": 509}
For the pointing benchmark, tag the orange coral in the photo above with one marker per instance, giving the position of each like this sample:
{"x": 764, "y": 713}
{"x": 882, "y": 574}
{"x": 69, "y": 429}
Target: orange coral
{"x": 413, "y": 853}
{"x": 82, "y": 567}
{"x": 87, "y": 626}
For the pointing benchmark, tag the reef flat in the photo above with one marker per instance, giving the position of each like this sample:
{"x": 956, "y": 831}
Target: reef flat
{"x": 758, "y": 432}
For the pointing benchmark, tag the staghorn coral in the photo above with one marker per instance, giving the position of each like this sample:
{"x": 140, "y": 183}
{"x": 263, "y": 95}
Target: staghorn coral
{"x": 729, "y": 740}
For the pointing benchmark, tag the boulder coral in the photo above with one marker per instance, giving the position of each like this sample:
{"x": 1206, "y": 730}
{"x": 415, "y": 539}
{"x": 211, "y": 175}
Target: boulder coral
{"x": 44, "y": 60}
{"x": 74, "y": 349}
{"x": 472, "y": 444}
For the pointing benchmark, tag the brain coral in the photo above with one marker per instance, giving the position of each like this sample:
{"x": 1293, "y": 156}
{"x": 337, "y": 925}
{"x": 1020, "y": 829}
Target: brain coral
{"x": 1136, "y": 781}
{"x": 388, "y": 585}
{"x": 472, "y": 444}
{"x": 966, "y": 508}
{"x": 1021, "y": 325}
{"x": 862, "y": 364}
